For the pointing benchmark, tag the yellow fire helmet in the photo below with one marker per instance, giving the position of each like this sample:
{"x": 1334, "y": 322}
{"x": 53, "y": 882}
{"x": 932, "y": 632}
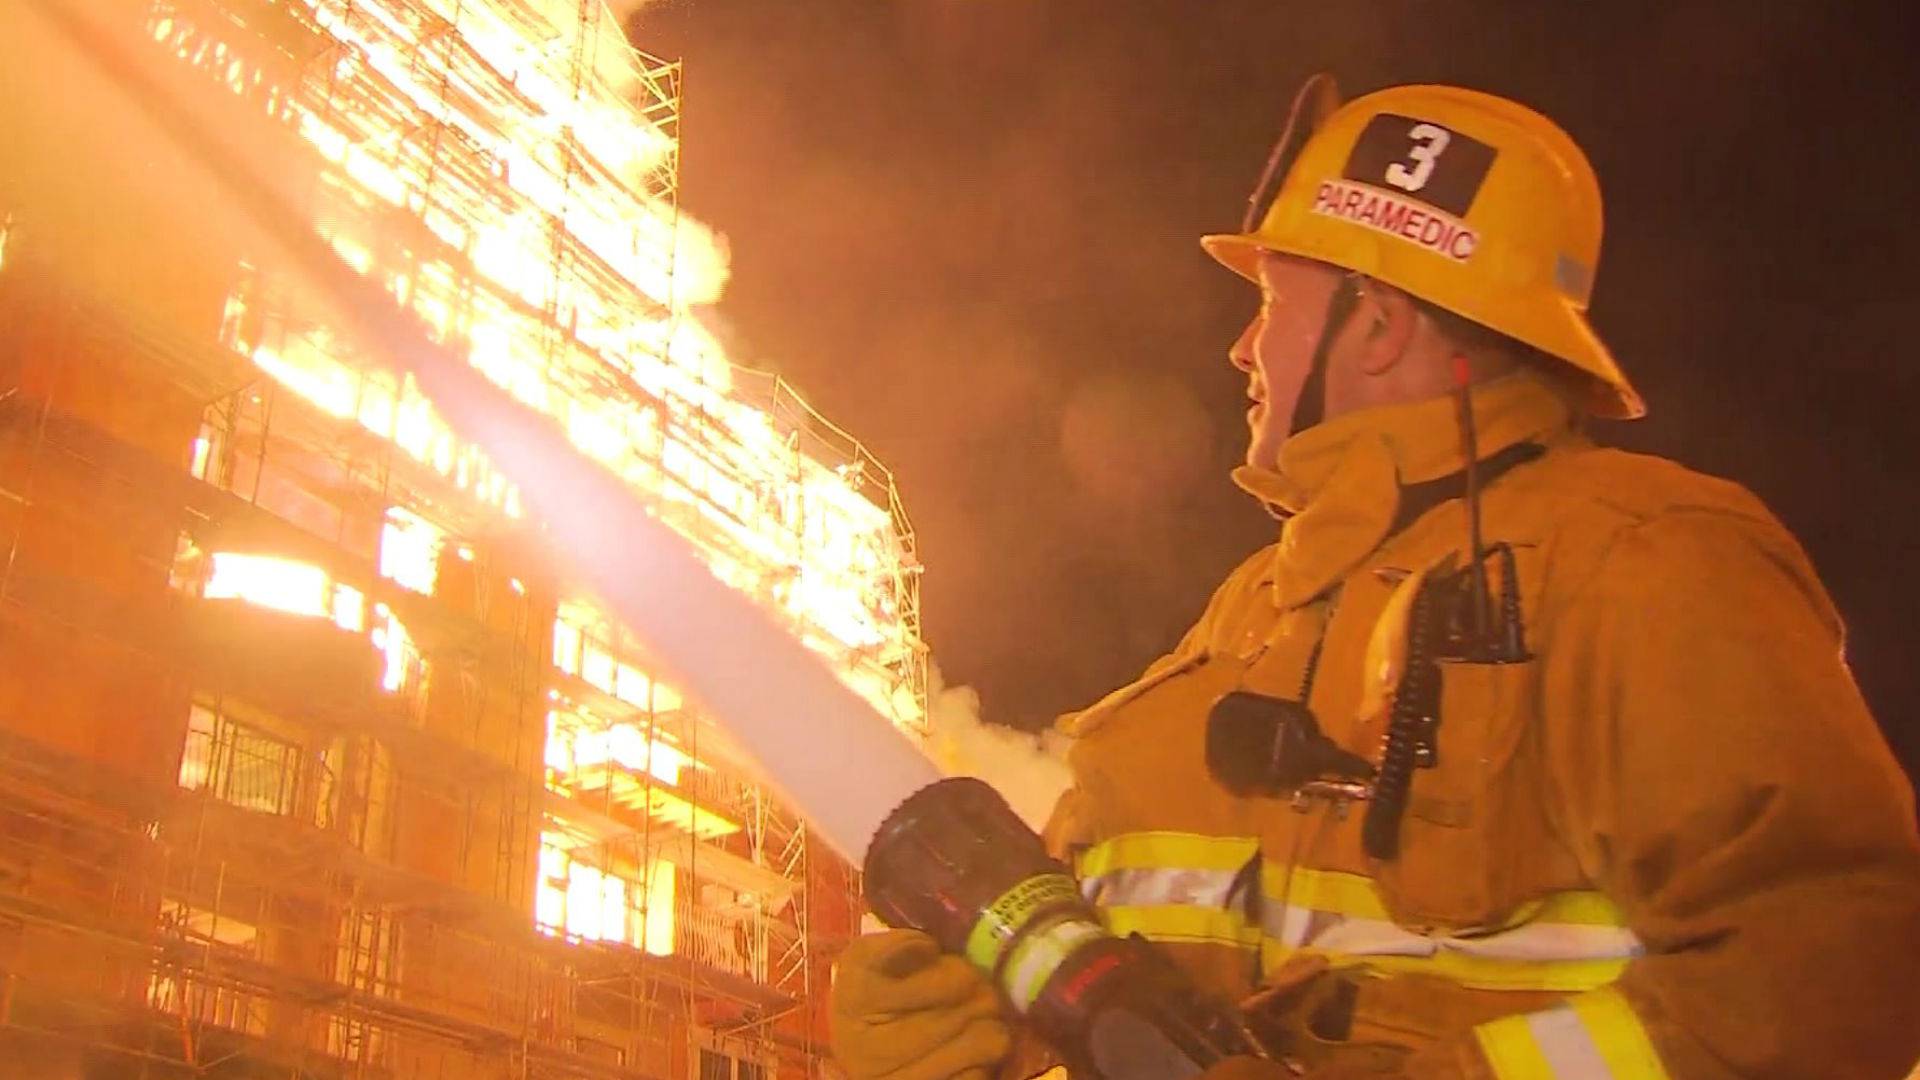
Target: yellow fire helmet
{"x": 1468, "y": 201}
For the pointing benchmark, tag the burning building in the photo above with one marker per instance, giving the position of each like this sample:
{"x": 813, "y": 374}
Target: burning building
{"x": 311, "y": 764}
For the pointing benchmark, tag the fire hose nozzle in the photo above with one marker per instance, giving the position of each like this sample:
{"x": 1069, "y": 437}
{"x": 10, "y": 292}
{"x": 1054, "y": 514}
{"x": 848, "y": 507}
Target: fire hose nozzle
{"x": 955, "y": 861}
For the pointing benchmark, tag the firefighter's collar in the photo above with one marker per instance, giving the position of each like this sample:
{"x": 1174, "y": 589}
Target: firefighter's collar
{"x": 1338, "y": 484}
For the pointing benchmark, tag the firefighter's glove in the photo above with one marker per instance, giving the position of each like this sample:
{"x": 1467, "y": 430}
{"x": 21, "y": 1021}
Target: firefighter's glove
{"x": 904, "y": 1011}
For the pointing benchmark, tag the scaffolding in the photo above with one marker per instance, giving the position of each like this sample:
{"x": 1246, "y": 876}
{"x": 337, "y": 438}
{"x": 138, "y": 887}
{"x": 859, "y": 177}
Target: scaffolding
{"x": 310, "y": 765}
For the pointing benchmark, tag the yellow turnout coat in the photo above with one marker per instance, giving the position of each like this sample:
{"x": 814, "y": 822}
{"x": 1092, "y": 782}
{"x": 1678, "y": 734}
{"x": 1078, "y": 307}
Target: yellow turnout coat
{"x": 1672, "y": 844}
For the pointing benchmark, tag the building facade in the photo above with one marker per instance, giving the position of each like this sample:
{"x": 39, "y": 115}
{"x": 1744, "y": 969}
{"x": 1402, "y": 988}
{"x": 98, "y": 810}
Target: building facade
{"x": 313, "y": 761}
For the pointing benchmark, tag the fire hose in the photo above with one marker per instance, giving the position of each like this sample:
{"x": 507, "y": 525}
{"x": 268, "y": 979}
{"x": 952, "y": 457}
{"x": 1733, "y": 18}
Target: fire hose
{"x": 947, "y": 856}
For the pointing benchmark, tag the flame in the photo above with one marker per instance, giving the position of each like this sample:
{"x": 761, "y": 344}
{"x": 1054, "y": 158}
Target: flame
{"x": 410, "y": 550}
{"x": 657, "y": 915}
{"x": 306, "y": 589}
{"x": 202, "y": 457}
{"x": 400, "y": 662}
{"x": 573, "y": 745}
{"x": 532, "y": 154}
{"x": 506, "y": 170}
{"x": 586, "y": 901}
{"x": 288, "y": 585}
{"x": 580, "y": 649}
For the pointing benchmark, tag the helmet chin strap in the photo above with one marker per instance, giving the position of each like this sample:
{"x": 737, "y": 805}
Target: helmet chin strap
{"x": 1311, "y": 406}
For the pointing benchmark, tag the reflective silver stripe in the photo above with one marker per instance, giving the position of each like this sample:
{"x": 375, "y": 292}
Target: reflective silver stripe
{"x": 1567, "y": 1045}
{"x": 1294, "y": 927}
{"x": 1373, "y": 937}
{"x": 1141, "y": 887}
{"x": 1326, "y": 931}
{"x": 1552, "y": 941}
{"x": 1288, "y": 925}
{"x": 1591, "y": 1036}
{"x": 1176, "y": 886}
{"x": 1167, "y": 850}
{"x": 1036, "y": 958}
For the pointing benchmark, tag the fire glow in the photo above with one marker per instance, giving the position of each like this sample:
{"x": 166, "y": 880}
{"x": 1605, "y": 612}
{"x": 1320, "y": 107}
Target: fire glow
{"x": 288, "y": 585}
{"x": 500, "y": 173}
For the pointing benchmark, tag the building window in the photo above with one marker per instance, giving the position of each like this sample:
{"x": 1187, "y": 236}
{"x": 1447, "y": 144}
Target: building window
{"x": 720, "y": 1064}
{"x": 576, "y": 898}
{"x": 188, "y": 993}
{"x": 239, "y": 764}
{"x": 289, "y": 585}
{"x": 599, "y": 1050}
{"x": 582, "y": 650}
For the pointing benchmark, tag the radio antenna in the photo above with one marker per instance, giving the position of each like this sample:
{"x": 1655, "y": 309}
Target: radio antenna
{"x": 1470, "y": 446}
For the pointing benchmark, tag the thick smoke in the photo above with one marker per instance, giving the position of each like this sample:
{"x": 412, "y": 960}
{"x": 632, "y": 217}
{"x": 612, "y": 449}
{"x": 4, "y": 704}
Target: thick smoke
{"x": 1029, "y": 769}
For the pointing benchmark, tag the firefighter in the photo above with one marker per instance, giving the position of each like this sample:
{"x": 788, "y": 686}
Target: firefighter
{"x": 1659, "y": 836}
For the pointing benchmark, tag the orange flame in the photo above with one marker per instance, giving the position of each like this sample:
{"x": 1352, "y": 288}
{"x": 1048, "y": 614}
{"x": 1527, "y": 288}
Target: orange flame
{"x": 531, "y": 155}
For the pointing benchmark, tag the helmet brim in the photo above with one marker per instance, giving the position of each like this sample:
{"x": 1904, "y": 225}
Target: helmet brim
{"x": 1561, "y": 331}
{"x": 1602, "y": 389}
{"x": 1238, "y": 252}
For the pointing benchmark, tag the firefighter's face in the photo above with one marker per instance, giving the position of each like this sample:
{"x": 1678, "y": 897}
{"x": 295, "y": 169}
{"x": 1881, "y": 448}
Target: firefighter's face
{"x": 1276, "y": 349}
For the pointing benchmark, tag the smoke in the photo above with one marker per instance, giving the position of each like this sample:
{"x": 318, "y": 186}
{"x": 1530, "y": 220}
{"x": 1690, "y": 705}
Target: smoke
{"x": 1128, "y": 438}
{"x": 702, "y": 261}
{"x": 632, "y": 149}
{"x": 1029, "y": 769}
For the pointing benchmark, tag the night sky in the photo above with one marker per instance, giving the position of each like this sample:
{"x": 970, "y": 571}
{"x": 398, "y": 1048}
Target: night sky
{"x": 966, "y": 229}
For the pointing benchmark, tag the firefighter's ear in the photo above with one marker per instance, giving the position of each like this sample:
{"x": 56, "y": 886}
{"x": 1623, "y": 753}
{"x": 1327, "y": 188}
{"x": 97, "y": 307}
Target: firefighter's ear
{"x": 1388, "y": 319}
